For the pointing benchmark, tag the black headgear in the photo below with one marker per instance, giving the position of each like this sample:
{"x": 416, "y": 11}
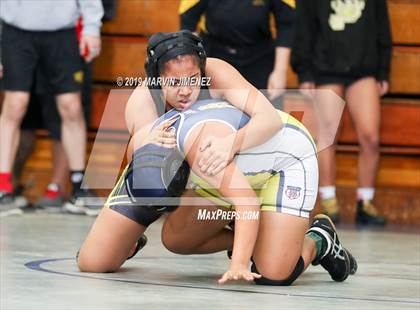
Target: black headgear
{"x": 164, "y": 46}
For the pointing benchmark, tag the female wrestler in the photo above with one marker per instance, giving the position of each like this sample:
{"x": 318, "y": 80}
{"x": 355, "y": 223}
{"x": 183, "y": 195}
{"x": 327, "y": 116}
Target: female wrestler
{"x": 100, "y": 253}
{"x": 187, "y": 59}
{"x": 284, "y": 173}
{"x": 279, "y": 177}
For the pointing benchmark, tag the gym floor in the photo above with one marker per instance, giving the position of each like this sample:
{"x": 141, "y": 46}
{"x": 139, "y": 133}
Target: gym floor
{"x": 38, "y": 271}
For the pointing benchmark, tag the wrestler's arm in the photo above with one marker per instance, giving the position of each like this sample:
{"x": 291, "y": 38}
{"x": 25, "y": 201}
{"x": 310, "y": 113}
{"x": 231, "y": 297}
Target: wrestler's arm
{"x": 232, "y": 185}
{"x": 140, "y": 114}
{"x": 230, "y": 85}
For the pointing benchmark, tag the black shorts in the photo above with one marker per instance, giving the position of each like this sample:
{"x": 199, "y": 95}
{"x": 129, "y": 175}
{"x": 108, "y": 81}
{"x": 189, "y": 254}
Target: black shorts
{"x": 119, "y": 200}
{"x": 54, "y": 53}
{"x": 345, "y": 80}
{"x": 42, "y": 112}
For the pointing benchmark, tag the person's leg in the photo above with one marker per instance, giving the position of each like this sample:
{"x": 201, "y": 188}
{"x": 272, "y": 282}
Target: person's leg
{"x": 26, "y": 146}
{"x": 184, "y": 233}
{"x": 52, "y": 122}
{"x": 285, "y": 248}
{"x": 281, "y": 242}
{"x": 110, "y": 241}
{"x": 62, "y": 69}
{"x": 53, "y": 196}
{"x": 14, "y": 108}
{"x": 282, "y": 251}
{"x": 19, "y": 58}
{"x": 73, "y": 129}
{"x": 364, "y": 106}
{"x": 31, "y": 121}
{"x": 115, "y": 235}
{"x": 328, "y": 108}
{"x": 60, "y": 165}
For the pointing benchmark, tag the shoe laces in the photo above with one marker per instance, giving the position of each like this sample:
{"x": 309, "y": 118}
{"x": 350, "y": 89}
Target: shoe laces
{"x": 333, "y": 244}
{"x": 330, "y": 206}
{"x": 369, "y": 208}
{"x": 336, "y": 248}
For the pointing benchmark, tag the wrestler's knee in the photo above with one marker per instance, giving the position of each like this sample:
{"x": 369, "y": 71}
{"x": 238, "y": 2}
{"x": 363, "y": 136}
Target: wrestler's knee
{"x": 91, "y": 262}
{"x": 274, "y": 279}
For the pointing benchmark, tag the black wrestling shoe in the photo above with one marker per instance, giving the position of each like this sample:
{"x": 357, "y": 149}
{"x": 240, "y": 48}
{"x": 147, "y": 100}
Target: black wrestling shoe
{"x": 335, "y": 259}
{"x": 230, "y": 226}
{"x": 353, "y": 263}
{"x": 367, "y": 214}
{"x": 141, "y": 243}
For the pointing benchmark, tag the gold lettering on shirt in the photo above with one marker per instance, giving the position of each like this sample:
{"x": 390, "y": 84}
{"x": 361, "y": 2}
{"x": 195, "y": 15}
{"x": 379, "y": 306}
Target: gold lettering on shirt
{"x": 258, "y": 2}
{"x": 345, "y": 12}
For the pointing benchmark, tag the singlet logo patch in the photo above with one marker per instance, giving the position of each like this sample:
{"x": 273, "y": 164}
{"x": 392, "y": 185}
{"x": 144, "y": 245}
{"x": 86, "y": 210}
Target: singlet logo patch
{"x": 293, "y": 192}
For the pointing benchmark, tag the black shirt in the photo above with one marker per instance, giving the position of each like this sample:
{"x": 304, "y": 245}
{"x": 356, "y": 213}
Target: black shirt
{"x": 333, "y": 39}
{"x": 241, "y": 24}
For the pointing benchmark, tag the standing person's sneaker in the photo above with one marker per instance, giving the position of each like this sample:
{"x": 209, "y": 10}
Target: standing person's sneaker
{"x": 52, "y": 200}
{"x": 11, "y": 206}
{"x": 333, "y": 257}
{"x": 367, "y": 214}
{"x": 20, "y": 199}
{"x": 84, "y": 202}
{"x": 331, "y": 208}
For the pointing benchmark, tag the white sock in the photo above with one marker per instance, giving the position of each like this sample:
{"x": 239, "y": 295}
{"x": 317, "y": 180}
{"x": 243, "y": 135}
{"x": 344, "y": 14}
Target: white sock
{"x": 365, "y": 193}
{"x": 327, "y": 192}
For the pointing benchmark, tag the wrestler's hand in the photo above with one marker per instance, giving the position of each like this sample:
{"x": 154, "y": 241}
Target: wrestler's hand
{"x": 217, "y": 154}
{"x": 276, "y": 84}
{"x": 238, "y": 272}
{"x": 163, "y": 135}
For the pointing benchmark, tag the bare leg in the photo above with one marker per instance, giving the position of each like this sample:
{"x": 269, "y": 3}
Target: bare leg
{"x": 183, "y": 233}
{"x": 281, "y": 241}
{"x": 328, "y": 110}
{"x": 25, "y": 149}
{"x": 364, "y": 106}
{"x": 60, "y": 165}
{"x": 109, "y": 242}
{"x": 14, "y": 108}
{"x": 73, "y": 129}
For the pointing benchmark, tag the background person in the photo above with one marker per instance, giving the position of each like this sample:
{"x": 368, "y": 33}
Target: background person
{"x": 47, "y": 41}
{"x": 345, "y": 47}
{"x": 239, "y": 32}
